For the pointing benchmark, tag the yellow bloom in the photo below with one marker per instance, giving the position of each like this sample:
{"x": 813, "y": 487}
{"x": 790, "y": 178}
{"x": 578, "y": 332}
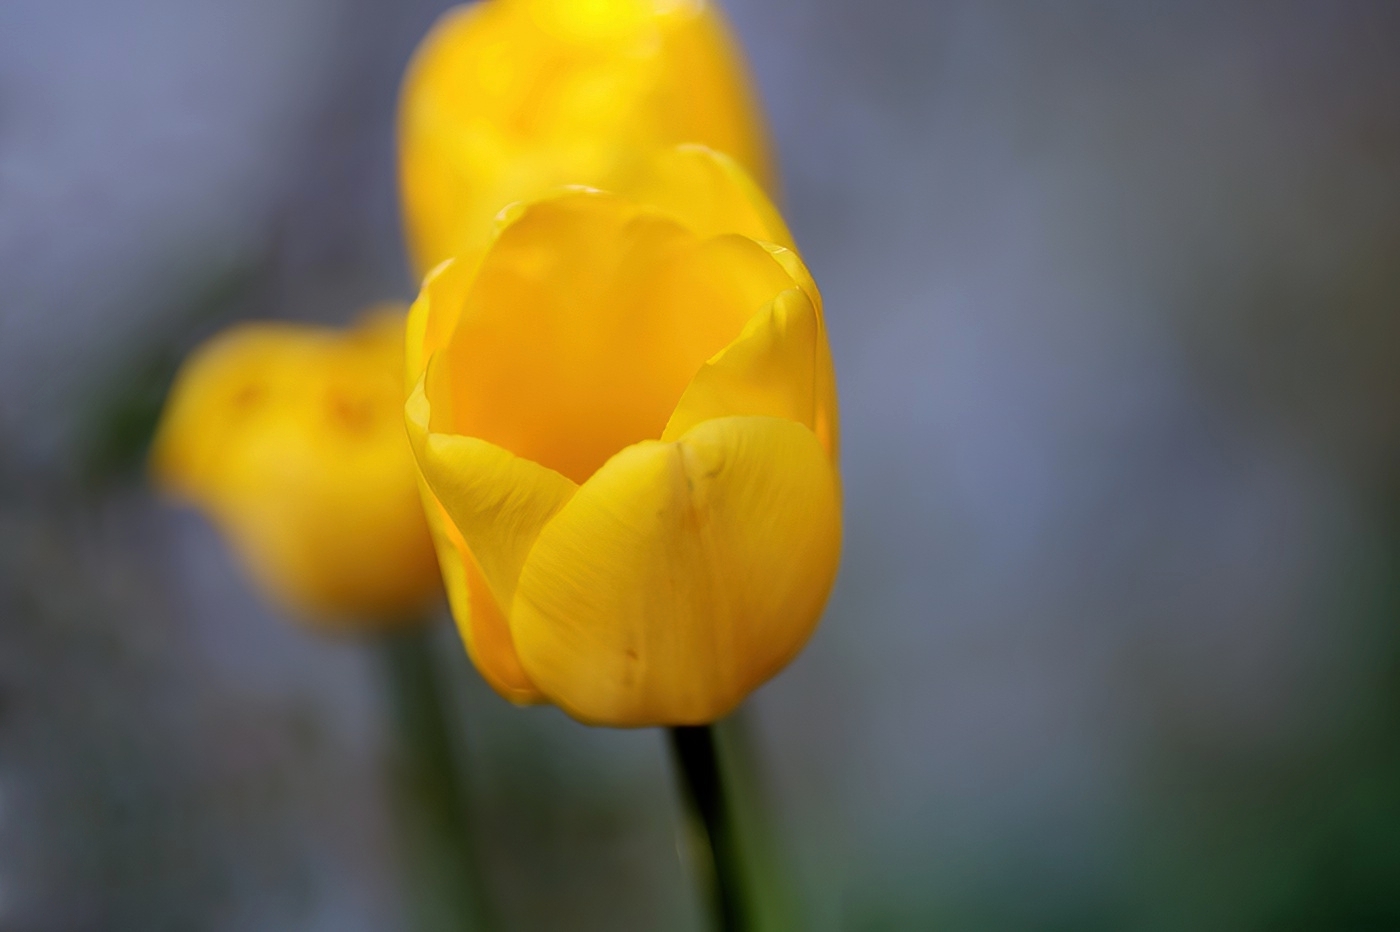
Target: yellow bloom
{"x": 507, "y": 99}
{"x": 624, "y": 412}
{"x": 291, "y": 438}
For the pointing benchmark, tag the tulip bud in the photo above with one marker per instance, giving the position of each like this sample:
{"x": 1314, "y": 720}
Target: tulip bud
{"x": 624, "y": 413}
{"x": 290, "y": 437}
{"x": 506, "y": 99}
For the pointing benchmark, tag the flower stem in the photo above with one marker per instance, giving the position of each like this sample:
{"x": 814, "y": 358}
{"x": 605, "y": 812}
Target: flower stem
{"x": 730, "y": 831}
{"x": 713, "y": 835}
{"x": 441, "y": 872}
{"x": 772, "y": 900}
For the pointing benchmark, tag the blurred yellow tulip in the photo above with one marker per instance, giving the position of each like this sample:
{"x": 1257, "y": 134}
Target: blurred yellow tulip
{"x": 624, "y": 413}
{"x": 506, "y": 99}
{"x": 291, "y": 438}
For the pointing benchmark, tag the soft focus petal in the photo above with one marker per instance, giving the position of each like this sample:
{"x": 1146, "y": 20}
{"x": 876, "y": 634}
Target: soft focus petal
{"x": 508, "y": 99}
{"x": 290, "y": 437}
{"x": 707, "y": 191}
{"x": 682, "y": 575}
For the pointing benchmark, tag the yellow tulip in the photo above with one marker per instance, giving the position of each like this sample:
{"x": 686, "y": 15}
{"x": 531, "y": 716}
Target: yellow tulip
{"x": 507, "y": 99}
{"x": 624, "y": 413}
{"x": 290, "y": 437}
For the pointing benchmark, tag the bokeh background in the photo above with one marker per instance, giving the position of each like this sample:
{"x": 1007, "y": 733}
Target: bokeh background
{"x": 1114, "y": 295}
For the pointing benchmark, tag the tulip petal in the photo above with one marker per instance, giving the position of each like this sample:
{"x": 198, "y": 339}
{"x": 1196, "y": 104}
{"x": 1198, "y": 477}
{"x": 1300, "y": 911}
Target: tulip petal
{"x": 709, "y": 192}
{"x": 479, "y": 619}
{"x": 486, "y": 634}
{"x": 478, "y": 614}
{"x": 681, "y": 575}
{"x": 496, "y": 500}
{"x": 289, "y": 437}
{"x": 586, "y": 321}
{"x": 506, "y": 100}
{"x": 769, "y": 370}
{"x": 827, "y": 421}
{"x": 434, "y": 314}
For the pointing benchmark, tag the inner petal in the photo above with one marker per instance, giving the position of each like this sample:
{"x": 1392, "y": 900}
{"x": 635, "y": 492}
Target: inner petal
{"x": 585, "y": 324}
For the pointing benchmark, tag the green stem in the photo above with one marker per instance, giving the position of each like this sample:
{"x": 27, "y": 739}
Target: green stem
{"x": 773, "y": 902}
{"x": 730, "y": 829}
{"x": 713, "y": 831}
{"x": 442, "y": 875}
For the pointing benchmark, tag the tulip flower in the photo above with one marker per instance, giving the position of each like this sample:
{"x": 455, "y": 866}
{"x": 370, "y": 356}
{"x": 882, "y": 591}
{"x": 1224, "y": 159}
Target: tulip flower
{"x": 290, "y": 437}
{"x": 624, "y": 413}
{"x": 506, "y": 99}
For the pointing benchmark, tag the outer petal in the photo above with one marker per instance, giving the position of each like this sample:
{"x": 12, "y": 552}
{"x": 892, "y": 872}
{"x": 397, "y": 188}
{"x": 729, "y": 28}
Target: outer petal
{"x": 498, "y": 501}
{"x": 796, "y": 269}
{"x": 827, "y": 420}
{"x": 769, "y": 370}
{"x": 681, "y": 575}
{"x": 479, "y": 618}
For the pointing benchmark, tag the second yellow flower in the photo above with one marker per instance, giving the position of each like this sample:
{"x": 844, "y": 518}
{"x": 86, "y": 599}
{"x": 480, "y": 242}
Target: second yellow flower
{"x": 506, "y": 99}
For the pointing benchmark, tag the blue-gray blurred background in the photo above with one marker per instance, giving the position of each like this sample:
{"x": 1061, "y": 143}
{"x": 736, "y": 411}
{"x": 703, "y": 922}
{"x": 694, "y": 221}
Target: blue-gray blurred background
{"x": 1114, "y": 292}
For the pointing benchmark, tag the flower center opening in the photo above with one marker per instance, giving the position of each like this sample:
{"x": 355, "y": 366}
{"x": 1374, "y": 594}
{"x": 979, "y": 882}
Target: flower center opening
{"x": 586, "y": 322}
